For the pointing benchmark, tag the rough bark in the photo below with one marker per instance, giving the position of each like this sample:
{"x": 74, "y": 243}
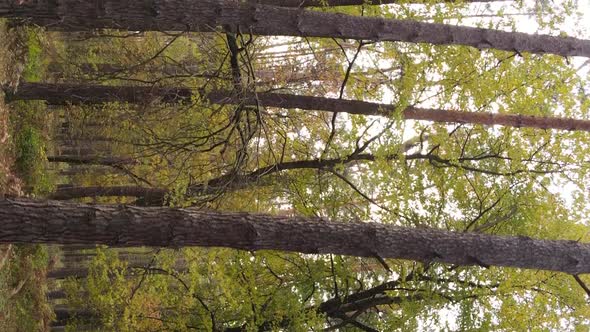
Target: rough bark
{"x": 189, "y": 15}
{"x": 69, "y": 93}
{"x": 27, "y": 221}
{"x": 323, "y": 3}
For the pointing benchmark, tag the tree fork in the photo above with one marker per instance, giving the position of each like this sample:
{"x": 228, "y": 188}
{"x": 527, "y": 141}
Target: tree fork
{"x": 28, "y": 221}
{"x": 207, "y": 15}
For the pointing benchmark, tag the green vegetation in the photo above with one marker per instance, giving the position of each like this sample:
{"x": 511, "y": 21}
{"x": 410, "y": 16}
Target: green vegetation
{"x": 31, "y": 161}
{"x": 36, "y": 61}
{"x": 31, "y": 123}
{"x": 22, "y": 296}
{"x": 24, "y": 141}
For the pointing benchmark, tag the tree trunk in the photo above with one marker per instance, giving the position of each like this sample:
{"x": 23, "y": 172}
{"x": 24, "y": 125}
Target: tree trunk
{"x": 63, "y": 314}
{"x": 203, "y": 15}
{"x": 92, "y": 160}
{"x": 70, "y": 93}
{"x": 64, "y": 273}
{"x": 56, "y": 69}
{"x": 82, "y": 272}
{"x": 56, "y": 295}
{"x": 152, "y": 195}
{"x": 409, "y": 113}
{"x": 63, "y": 94}
{"x": 27, "y": 221}
{"x": 76, "y": 150}
{"x": 331, "y": 3}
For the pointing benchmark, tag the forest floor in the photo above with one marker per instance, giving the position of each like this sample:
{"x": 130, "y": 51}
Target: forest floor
{"x": 23, "y": 268}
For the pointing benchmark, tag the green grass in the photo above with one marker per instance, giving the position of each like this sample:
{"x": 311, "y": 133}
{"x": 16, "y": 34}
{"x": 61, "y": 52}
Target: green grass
{"x": 31, "y": 161}
{"x": 35, "y": 64}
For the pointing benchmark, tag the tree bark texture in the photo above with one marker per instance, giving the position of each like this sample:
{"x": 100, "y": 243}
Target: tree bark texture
{"x": 69, "y": 93}
{"x": 207, "y": 15}
{"x": 27, "y": 221}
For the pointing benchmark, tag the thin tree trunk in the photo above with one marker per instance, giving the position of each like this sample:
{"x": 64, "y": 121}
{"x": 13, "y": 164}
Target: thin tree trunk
{"x": 70, "y": 93}
{"x": 92, "y": 160}
{"x": 331, "y": 3}
{"x": 64, "y": 273}
{"x": 56, "y": 69}
{"x": 203, "y": 15}
{"x": 63, "y": 94}
{"x": 28, "y": 221}
{"x": 76, "y": 150}
{"x": 63, "y": 314}
{"x": 154, "y": 195}
{"x": 409, "y": 113}
{"x": 56, "y": 295}
{"x": 82, "y": 272}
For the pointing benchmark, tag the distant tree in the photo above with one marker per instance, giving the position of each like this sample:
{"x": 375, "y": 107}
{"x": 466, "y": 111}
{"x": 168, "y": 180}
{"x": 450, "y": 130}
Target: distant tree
{"x": 92, "y": 160}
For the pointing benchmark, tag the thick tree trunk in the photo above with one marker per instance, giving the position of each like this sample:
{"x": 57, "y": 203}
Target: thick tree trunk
{"x": 203, "y": 15}
{"x": 27, "y": 221}
{"x": 322, "y": 3}
{"x": 69, "y": 93}
{"x": 92, "y": 160}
